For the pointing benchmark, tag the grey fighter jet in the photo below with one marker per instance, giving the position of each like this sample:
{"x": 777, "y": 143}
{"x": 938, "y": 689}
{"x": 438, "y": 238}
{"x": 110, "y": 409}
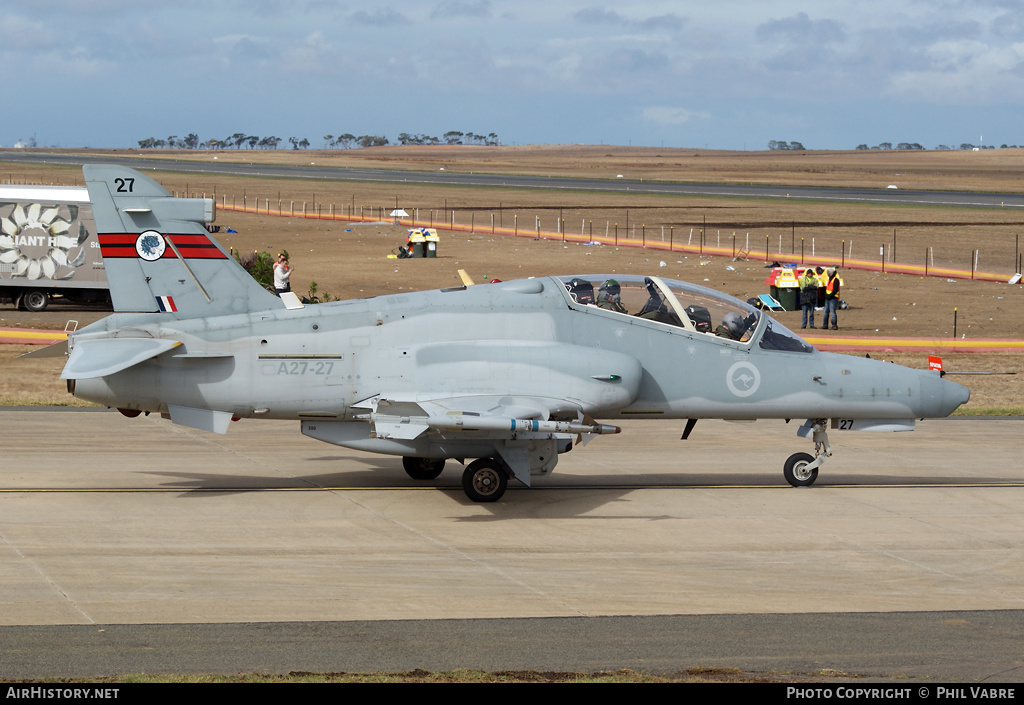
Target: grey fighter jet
{"x": 509, "y": 375}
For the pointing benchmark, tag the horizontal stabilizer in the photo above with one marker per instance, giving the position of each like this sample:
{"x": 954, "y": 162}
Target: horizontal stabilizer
{"x": 58, "y": 349}
{"x": 99, "y": 358}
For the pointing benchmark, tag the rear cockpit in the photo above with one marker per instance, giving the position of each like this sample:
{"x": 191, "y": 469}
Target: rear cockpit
{"x": 693, "y": 308}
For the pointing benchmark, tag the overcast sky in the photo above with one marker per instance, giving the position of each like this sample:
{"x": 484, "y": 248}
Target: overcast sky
{"x": 731, "y": 74}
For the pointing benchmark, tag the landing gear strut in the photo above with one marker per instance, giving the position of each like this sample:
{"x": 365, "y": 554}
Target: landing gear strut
{"x": 801, "y": 469}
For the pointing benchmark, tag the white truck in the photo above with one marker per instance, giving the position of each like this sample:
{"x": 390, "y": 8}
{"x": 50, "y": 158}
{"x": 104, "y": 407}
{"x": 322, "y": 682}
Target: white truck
{"x": 48, "y": 247}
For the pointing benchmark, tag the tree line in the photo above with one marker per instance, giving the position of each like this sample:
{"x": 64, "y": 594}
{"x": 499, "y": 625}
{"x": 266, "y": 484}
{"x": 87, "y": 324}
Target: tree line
{"x": 941, "y": 148}
{"x": 240, "y": 140}
{"x": 883, "y": 146}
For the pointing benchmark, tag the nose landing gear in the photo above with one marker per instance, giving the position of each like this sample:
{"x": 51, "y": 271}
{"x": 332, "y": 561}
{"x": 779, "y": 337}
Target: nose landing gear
{"x": 801, "y": 469}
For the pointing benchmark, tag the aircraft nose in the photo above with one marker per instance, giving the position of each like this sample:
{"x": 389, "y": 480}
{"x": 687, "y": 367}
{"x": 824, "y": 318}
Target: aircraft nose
{"x": 943, "y": 397}
{"x": 954, "y": 395}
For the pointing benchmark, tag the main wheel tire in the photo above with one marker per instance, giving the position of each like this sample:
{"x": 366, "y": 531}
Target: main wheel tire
{"x": 422, "y": 468}
{"x": 796, "y": 472}
{"x": 35, "y": 300}
{"x": 484, "y": 480}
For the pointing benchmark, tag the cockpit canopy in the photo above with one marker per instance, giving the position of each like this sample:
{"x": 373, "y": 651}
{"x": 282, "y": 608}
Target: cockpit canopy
{"x": 675, "y": 303}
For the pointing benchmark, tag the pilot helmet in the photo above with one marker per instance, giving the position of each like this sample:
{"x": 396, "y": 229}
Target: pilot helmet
{"x": 611, "y": 289}
{"x": 733, "y": 322}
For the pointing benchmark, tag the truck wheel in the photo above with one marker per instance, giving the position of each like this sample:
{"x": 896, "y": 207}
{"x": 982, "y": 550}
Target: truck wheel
{"x": 35, "y": 300}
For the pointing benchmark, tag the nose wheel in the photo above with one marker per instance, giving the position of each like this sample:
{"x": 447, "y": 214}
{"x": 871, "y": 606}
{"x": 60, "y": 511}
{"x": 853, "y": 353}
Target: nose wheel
{"x": 798, "y": 471}
{"x": 801, "y": 469}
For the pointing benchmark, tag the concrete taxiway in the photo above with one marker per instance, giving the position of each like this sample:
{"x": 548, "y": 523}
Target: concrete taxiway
{"x": 106, "y": 520}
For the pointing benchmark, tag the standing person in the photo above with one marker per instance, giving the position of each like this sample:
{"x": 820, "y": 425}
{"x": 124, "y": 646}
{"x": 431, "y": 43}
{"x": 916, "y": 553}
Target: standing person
{"x": 808, "y": 295}
{"x": 282, "y": 275}
{"x": 822, "y": 280}
{"x": 832, "y": 298}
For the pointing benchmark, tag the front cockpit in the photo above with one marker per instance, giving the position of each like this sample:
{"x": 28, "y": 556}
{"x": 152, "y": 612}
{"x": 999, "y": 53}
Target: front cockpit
{"x": 675, "y": 303}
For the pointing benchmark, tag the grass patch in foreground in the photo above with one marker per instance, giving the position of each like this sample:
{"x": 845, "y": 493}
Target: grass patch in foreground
{"x": 64, "y": 399}
{"x": 990, "y": 411}
{"x": 692, "y": 675}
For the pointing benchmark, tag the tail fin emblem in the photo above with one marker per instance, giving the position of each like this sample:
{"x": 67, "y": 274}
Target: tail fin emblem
{"x": 150, "y": 245}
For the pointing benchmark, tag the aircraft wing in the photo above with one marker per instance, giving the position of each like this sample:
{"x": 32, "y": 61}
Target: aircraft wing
{"x": 105, "y": 356}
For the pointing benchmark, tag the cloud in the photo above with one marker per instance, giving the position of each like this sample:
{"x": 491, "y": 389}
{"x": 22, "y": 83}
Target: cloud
{"x": 249, "y": 49}
{"x": 801, "y": 28}
{"x": 600, "y": 16}
{"x": 664, "y": 115}
{"x": 385, "y": 17}
{"x": 638, "y": 60}
{"x": 670, "y": 21}
{"x": 453, "y": 9}
{"x": 22, "y": 33}
{"x": 964, "y": 70}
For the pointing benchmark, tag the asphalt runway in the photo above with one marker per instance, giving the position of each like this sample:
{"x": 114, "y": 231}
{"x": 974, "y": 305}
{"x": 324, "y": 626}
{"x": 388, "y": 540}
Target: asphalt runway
{"x": 134, "y": 544}
{"x": 455, "y": 178}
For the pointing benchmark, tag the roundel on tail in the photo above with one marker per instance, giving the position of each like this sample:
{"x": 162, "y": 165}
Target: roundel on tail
{"x": 150, "y": 245}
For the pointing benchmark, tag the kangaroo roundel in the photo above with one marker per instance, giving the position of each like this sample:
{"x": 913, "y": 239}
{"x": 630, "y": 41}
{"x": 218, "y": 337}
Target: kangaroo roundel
{"x": 743, "y": 379}
{"x": 150, "y": 245}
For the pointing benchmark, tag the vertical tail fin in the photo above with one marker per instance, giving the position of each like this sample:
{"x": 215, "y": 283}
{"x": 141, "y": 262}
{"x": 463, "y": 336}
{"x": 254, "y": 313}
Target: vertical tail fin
{"x": 158, "y": 254}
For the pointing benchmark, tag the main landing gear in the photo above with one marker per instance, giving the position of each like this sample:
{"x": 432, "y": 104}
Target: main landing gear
{"x": 422, "y": 468}
{"x": 485, "y": 480}
{"x": 801, "y": 469}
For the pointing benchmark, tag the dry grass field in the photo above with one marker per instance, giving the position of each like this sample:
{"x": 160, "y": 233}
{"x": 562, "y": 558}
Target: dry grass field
{"x": 350, "y": 260}
{"x": 997, "y": 170}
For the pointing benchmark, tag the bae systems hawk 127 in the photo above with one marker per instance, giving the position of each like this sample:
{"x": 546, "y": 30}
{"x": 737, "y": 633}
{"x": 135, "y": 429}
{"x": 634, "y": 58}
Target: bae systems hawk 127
{"x": 508, "y": 375}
